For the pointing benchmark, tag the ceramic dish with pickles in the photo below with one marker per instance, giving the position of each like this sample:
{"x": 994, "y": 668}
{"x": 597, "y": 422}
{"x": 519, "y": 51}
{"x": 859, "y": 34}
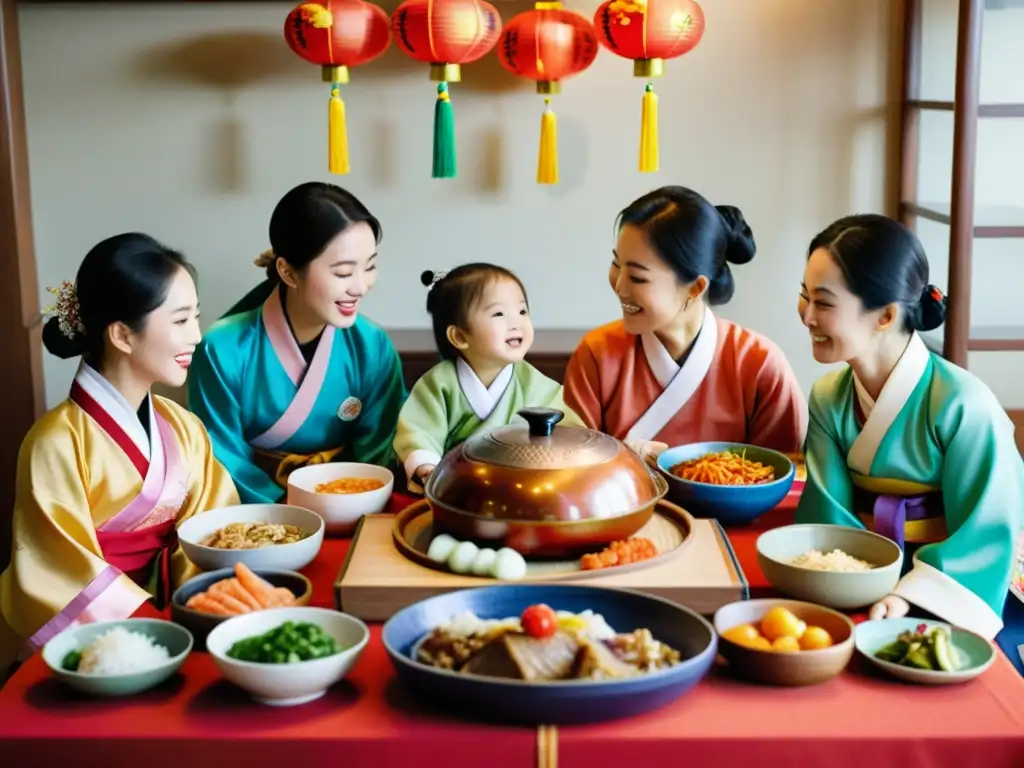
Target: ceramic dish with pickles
{"x": 923, "y": 651}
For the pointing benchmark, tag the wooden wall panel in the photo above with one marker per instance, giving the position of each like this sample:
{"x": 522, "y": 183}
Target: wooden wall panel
{"x": 1017, "y": 417}
{"x": 21, "y": 386}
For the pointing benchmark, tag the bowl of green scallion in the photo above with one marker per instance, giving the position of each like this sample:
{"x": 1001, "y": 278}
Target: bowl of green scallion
{"x": 287, "y": 656}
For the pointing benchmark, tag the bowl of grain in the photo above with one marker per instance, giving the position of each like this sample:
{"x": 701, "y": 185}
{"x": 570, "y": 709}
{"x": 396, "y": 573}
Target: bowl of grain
{"x": 341, "y": 493}
{"x": 832, "y": 565}
{"x": 275, "y": 536}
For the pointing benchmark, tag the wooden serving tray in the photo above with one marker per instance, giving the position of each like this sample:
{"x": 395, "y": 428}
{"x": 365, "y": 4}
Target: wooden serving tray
{"x": 668, "y": 529}
{"x": 377, "y": 580}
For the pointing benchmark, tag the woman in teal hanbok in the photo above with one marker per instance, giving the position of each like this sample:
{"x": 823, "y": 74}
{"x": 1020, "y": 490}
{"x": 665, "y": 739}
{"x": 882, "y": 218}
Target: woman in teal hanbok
{"x": 901, "y": 441}
{"x": 294, "y": 374}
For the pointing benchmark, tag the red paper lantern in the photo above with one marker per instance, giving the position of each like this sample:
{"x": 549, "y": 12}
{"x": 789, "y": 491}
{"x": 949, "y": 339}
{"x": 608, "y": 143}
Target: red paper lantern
{"x": 336, "y": 35}
{"x": 649, "y": 32}
{"x": 547, "y": 44}
{"x": 445, "y": 34}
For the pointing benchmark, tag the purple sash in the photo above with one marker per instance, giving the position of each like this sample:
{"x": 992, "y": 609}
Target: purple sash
{"x": 891, "y": 513}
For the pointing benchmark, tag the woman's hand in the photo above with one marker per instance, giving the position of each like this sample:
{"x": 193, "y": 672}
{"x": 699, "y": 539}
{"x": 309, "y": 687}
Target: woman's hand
{"x": 889, "y": 607}
{"x": 646, "y": 448}
{"x": 423, "y": 472}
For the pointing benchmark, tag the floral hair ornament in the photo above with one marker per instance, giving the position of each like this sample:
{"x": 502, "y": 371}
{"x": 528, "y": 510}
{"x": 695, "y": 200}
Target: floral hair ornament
{"x": 66, "y": 309}
{"x": 265, "y": 259}
{"x": 934, "y": 293}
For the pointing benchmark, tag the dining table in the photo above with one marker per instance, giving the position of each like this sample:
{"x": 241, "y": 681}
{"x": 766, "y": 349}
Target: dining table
{"x": 199, "y": 720}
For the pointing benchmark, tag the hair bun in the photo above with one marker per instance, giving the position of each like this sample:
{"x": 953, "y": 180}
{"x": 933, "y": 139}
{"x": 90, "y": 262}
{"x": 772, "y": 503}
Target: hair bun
{"x": 932, "y": 309}
{"x": 741, "y": 246}
{"x": 60, "y": 345}
{"x": 427, "y": 278}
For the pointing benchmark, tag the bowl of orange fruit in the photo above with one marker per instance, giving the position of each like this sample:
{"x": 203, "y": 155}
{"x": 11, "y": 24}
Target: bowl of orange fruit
{"x": 784, "y": 642}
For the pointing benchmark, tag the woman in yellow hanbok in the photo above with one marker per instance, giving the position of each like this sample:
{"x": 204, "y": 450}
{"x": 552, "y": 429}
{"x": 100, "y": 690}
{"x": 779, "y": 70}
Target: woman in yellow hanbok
{"x": 105, "y": 477}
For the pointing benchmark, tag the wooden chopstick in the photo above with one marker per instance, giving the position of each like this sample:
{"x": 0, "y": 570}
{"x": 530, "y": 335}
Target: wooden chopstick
{"x": 547, "y": 746}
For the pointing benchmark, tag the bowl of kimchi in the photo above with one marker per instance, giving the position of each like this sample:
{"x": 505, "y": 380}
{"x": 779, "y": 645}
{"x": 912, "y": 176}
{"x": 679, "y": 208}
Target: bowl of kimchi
{"x": 341, "y": 492}
{"x": 734, "y": 483}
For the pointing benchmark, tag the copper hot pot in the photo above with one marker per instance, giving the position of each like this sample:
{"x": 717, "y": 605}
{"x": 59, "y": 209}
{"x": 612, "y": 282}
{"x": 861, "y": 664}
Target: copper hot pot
{"x": 542, "y": 489}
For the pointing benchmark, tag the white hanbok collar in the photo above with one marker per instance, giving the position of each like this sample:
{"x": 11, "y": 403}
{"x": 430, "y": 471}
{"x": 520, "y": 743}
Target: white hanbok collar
{"x": 120, "y": 410}
{"x": 702, "y": 354}
{"x": 678, "y": 382}
{"x": 482, "y": 399}
{"x": 881, "y": 413}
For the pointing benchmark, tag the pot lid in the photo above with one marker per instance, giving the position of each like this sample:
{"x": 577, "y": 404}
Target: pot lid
{"x": 541, "y": 444}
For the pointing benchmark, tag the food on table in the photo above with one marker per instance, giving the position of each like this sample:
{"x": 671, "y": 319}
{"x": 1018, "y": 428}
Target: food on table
{"x": 724, "y": 468}
{"x": 632, "y": 550}
{"x": 836, "y": 560}
{"x": 244, "y": 593}
{"x": 289, "y": 643}
{"x": 923, "y": 649}
{"x": 779, "y": 630}
{"x": 346, "y": 485}
{"x": 253, "y": 535}
{"x": 544, "y": 645}
{"x": 118, "y": 651}
{"x": 465, "y": 557}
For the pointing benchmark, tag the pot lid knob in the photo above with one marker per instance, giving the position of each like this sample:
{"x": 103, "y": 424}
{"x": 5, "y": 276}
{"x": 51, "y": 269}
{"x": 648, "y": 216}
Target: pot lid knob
{"x": 541, "y": 421}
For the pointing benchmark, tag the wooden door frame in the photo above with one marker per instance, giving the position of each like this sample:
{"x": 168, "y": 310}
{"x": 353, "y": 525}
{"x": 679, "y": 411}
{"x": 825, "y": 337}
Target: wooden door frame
{"x": 21, "y": 384}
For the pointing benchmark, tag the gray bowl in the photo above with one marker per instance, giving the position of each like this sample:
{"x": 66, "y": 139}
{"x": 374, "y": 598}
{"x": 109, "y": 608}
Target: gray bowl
{"x": 202, "y": 624}
{"x": 177, "y": 640}
{"x": 844, "y": 591}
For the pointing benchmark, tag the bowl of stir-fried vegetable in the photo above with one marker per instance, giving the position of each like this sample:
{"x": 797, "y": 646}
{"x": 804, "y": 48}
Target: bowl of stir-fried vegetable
{"x": 921, "y": 651}
{"x": 287, "y": 656}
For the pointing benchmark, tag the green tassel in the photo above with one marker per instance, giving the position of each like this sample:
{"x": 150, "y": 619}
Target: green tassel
{"x": 444, "y": 135}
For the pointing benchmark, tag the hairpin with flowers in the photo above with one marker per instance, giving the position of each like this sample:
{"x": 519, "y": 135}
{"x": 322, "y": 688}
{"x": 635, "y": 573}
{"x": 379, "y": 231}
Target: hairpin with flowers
{"x": 66, "y": 309}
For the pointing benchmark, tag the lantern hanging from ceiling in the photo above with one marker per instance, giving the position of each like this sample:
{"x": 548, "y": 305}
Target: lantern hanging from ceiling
{"x": 649, "y": 32}
{"x": 547, "y": 44}
{"x": 445, "y": 34}
{"x": 337, "y": 35}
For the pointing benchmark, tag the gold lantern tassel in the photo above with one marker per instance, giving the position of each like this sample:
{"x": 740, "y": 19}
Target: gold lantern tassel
{"x": 337, "y": 134}
{"x": 547, "y": 162}
{"x": 649, "y": 131}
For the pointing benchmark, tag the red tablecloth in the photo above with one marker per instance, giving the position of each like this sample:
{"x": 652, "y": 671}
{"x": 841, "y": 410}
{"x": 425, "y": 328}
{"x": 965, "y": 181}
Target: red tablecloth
{"x": 199, "y": 720}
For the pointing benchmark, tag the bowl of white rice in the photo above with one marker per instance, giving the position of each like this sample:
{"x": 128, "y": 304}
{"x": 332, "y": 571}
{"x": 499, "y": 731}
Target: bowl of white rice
{"x": 118, "y": 658}
{"x": 832, "y": 565}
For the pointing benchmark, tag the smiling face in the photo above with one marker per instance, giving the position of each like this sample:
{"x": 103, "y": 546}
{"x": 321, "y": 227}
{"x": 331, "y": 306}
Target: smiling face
{"x": 651, "y": 295}
{"x": 499, "y": 330}
{"x": 161, "y": 350}
{"x": 332, "y": 286}
{"x": 841, "y": 329}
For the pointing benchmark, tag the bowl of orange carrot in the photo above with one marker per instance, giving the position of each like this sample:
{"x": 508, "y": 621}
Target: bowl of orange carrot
{"x": 203, "y": 602}
{"x": 733, "y": 483}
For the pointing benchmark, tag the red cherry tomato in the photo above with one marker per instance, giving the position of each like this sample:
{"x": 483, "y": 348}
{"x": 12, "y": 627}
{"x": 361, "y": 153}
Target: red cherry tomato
{"x": 539, "y": 621}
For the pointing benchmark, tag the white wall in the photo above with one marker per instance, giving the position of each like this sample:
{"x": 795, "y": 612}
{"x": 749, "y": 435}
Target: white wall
{"x": 190, "y": 121}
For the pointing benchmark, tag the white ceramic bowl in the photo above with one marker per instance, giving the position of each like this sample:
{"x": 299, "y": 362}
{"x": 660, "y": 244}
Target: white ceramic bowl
{"x": 177, "y": 640}
{"x": 286, "y": 557}
{"x": 284, "y": 685}
{"x": 340, "y": 511}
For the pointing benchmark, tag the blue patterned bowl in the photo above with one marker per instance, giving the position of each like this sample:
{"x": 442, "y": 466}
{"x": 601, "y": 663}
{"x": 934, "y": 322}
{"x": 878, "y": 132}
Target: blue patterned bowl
{"x": 559, "y": 702}
{"x": 729, "y": 504}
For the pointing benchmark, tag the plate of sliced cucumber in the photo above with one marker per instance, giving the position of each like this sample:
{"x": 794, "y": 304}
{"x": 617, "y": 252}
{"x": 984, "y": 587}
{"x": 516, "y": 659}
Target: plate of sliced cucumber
{"x": 922, "y": 651}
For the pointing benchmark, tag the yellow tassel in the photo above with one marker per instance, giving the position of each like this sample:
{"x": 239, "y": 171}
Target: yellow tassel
{"x": 649, "y": 131}
{"x": 337, "y": 140}
{"x": 547, "y": 162}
